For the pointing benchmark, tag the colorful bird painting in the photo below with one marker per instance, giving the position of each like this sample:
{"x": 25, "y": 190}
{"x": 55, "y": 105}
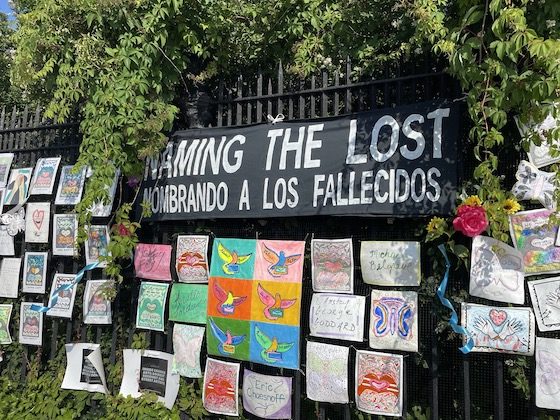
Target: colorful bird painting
{"x": 232, "y": 260}
{"x": 274, "y": 305}
{"x": 227, "y": 301}
{"x": 271, "y": 349}
{"x": 279, "y": 262}
{"x": 227, "y": 340}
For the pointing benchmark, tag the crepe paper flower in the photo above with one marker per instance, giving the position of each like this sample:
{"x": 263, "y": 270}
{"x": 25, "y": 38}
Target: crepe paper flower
{"x": 436, "y": 224}
{"x": 511, "y": 206}
{"x": 133, "y": 181}
{"x": 471, "y": 220}
{"x": 472, "y": 200}
{"x": 123, "y": 230}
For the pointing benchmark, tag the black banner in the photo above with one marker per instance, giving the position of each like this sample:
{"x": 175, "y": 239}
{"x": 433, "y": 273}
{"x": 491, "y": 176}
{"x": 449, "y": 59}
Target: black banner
{"x": 398, "y": 161}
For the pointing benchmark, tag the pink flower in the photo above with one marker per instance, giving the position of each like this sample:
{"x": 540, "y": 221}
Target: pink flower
{"x": 123, "y": 230}
{"x": 470, "y": 220}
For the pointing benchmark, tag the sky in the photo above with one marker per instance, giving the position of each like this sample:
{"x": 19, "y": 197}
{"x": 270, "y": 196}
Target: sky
{"x": 4, "y": 7}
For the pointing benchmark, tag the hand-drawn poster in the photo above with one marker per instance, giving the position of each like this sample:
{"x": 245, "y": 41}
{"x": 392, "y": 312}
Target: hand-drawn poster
{"x": 9, "y": 277}
{"x": 65, "y": 303}
{"x": 44, "y": 176}
{"x": 390, "y": 263}
{"x": 327, "y": 373}
{"x": 102, "y": 208}
{"x": 96, "y": 244}
{"x": 5, "y": 315}
{"x": 547, "y": 375}
{"x": 255, "y": 318}
{"x": 151, "y": 306}
{"x": 332, "y": 265}
{"x": 6, "y": 242}
{"x": 153, "y": 261}
{"x": 497, "y": 271}
{"x": 30, "y": 325}
{"x": 221, "y": 389}
{"x": 96, "y": 307}
{"x": 379, "y": 383}
{"x": 187, "y": 342}
{"x": 17, "y": 189}
{"x": 84, "y": 368}
{"x": 70, "y": 186}
{"x": 268, "y": 397}
{"x": 337, "y": 316}
{"x": 5, "y": 164}
{"x": 545, "y": 295}
{"x": 188, "y": 303}
{"x": 65, "y": 232}
{"x": 534, "y": 238}
{"x": 539, "y": 155}
{"x": 149, "y": 371}
{"x": 191, "y": 260}
{"x": 35, "y": 272}
{"x": 504, "y": 330}
{"x": 37, "y": 223}
{"x": 394, "y": 320}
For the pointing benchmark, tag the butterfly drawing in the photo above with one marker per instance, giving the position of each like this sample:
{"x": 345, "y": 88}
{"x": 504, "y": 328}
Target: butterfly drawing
{"x": 271, "y": 349}
{"x": 489, "y": 269}
{"x": 279, "y": 262}
{"x": 549, "y": 364}
{"x": 227, "y": 340}
{"x": 275, "y": 305}
{"x": 393, "y": 316}
{"x": 189, "y": 350}
{"x": 227, "y": 301}
{"x": 232, "y": 260}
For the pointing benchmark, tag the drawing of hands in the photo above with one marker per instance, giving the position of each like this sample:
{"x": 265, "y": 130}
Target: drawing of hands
{"x": 512, "y": 328}
{"x": 484, "y": 326}
{"x": 552, "y": 299}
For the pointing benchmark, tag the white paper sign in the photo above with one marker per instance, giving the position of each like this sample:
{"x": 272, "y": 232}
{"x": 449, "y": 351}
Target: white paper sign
{"x": 149, "y": 370}
{"x": 37, "y": 223}
{"x": 9, "y": 277}
{"x": 30, "y": 325}
{"x": 84, "y": 368}
{"x": 390, "y": 263}
{"x": 497, "y": 271}
{"x": 44, "y": 176}
{"x": 545, "y": 295}
{"x": 547, "y": 375}
{"x": 327, "y": 373}
{"x": 6, "y": 242}
{"x": 35, "y": 272}
{"x": 337, "y": 316}
{"x": 65, "y": 303}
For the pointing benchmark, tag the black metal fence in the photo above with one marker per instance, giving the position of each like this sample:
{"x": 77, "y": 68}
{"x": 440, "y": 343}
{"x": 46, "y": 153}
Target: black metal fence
{"x": 440, "y": 383}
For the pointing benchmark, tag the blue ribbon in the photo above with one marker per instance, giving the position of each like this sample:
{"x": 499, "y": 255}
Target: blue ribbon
{"x": 68, "y": 286}
{"x": 454, "y": 320}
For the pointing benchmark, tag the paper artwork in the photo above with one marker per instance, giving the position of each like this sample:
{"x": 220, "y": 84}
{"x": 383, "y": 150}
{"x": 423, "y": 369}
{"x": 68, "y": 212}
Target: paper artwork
{"x": 379, "y": 383}
{"x": 545, "y": 295}
{"x": 255, "y": 318}
{"x": 35, "y": 272}
{"x": 534, "y": 184}
{"x": 220, "y": 390}
{"x": 327, "y": 373}
{"x": 5, "y": 315}
{"x": 96, "y": 307}
{"x": 187, "y": 342}
{"x": 188, "y": 303}
{"x": 6, "y": 242}
{"x": 70, "y": 186}
{"x": 265, "y": 396}
{"x": 65, "y": 232}
{"x": 151, "y": 306}
{"x": 394, "y": 320}
{"x": 5, "y": 164}
{"x": 103, "y": 209}
{"x": 17, "y": 189}
{"x": 191, "y": 260}
{"x": 152, "y": 261}
{"x": 30, "y": 325}
{"x": 9, "y": 277}
{"x": 390, "y": 263}
{"x": 497, "y": 271}
{"x": 547, "y": 375}
{"x": 96, "y": 244}
{"x": 44, "y": 176}
{"x": 504, "y": 330}
{"x": 65, "y": 303}
{"x": 37, "y": 223}
{"x": 539, "y": 155}
{"x": 84, "y": 368}
{"x": 534, "y": 238}
{"x": 332, "y": 265}
{"x": 337, "y": 316}
{"x": 149, "y": 370}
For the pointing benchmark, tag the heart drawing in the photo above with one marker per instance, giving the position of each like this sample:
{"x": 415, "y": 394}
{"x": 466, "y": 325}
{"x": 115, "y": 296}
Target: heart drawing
{"x": 498, "y": 317}
{"x": 38, "y": 218}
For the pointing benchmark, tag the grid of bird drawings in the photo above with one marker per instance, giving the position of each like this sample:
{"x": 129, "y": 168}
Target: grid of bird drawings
{"x": 254, "y": 301}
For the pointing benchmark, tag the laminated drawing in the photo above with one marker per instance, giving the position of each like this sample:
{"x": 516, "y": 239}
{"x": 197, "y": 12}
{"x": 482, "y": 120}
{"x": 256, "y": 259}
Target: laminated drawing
{"x": 37, "y": 223}
{"x": 191, "y": 258}
{"x": 30, "y": 325}
{"x": 327, "y": 373}
{"x": 545, "y": 295}
{"x": 70, "y": 186}
{"x": 188, "y": 303}
{"x": 332, "y": 265}
{"x": 5, "y": 315}
{"x": 44, "y": 176}
{"x": 96, "y": 244}
{"x": 35, "y": 272}
{"x": 96, "y": 307}
{"x": 151, "y": 306}
{"x": 221, "y": 389}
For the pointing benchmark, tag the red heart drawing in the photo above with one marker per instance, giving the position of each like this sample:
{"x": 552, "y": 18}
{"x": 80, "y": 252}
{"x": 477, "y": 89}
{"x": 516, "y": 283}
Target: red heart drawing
{"x": 498, "y": 317}
{"x": 38, "y": 217}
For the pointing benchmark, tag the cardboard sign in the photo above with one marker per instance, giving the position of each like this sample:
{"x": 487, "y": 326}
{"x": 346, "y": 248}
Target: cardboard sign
{"x": 337, "y": 316}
